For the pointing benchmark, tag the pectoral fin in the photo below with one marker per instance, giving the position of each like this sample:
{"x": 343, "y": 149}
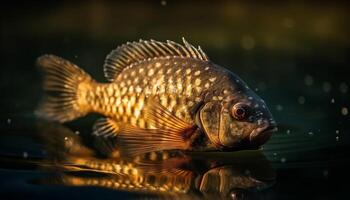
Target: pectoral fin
{"x": 170, "y": 132}
{"x": 161, "y": 117}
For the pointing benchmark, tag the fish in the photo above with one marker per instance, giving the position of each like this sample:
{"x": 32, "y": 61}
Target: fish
{"x": 159, "y": 96}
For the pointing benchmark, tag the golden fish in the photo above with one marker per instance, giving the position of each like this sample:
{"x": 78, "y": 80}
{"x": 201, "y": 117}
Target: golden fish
{"x": 161, "y": 96}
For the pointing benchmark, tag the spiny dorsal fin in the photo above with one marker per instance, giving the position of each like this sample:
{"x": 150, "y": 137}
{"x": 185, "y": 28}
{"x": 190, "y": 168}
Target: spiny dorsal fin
{"x": 133, "y": 52}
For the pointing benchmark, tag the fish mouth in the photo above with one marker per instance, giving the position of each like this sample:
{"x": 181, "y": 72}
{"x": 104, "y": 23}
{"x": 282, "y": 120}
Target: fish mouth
{"x": 260, "y": 135}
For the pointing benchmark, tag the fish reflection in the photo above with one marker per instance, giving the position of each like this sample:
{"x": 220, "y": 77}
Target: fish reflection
{"x": 171, "y": 174}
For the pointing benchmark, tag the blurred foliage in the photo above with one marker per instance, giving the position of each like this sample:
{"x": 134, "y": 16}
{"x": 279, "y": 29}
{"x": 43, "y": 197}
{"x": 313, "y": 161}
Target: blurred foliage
{"x": 266, "y": 24}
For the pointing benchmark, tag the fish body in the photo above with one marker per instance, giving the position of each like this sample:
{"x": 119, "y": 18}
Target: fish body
{"x": 161, "y": 96}
{"x": 179, "y": 84}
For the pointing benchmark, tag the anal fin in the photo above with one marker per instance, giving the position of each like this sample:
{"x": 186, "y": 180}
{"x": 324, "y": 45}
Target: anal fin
{"x": 161, "y": 117}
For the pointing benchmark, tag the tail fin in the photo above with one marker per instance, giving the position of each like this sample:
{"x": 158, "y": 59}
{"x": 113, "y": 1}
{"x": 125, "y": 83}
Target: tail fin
{"x": 63, "y": 84}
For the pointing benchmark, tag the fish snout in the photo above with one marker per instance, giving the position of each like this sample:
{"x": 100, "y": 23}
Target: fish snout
{"x": 263, "y": 133}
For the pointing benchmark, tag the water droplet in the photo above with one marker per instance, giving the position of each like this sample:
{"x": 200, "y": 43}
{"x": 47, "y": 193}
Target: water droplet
{"x": 309, "y": 80}
{"x": 337, "y": 138}
{"x": 283, "y": 160}
{"x": 25, "y": 154}
{"x": 9, "y": 121}
{"x": 343, "y": 87}
{"x": 77, "y": 132}
{"x": 301, "y": 100}
{"x": 311, "y": 133}
{"x": 256, "y": 89}
{"x": 332, "y": 100}
{"x": 326, "y": 86}
{"x": 344, "y": 111}
{"x": 325, "y": 173}
{"x": 163, "y": 3}
{"x": 75, "y": 56}
{"x": 274, "y": 154}
{"x": 288, "y": 131}
{"x": 247, "y": 42}
{"x": 337, "y": 132}
{"x": 279, "y": 107}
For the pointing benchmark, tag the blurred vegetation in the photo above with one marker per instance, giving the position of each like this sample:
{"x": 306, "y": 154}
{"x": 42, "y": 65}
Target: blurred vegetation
{"x": 277, "y": 26}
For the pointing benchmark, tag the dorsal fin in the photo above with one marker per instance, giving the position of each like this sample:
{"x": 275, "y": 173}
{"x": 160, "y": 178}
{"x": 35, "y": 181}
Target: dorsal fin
{"x": 133, "y": 52}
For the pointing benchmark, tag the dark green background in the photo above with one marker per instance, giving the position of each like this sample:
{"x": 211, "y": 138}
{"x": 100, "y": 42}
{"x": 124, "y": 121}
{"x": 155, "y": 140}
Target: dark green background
{"x": 286, "y": 51}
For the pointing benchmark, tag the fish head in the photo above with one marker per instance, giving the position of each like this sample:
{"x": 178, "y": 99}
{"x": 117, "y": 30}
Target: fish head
{"x": 240, "y": 121}
{"x": 248, "y": 121}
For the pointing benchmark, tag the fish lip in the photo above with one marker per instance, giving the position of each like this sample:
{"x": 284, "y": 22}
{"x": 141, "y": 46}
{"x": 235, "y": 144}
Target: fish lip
{"x": 260, "y": 135}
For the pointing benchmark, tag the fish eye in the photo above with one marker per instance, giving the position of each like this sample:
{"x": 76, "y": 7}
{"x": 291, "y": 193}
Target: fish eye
{"x": 240, "y": 111}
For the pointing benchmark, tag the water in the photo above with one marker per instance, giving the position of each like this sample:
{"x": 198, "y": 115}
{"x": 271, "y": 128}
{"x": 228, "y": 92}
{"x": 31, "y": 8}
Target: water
{"x": 295, "y": 57}
{"x": 70, "y": 162}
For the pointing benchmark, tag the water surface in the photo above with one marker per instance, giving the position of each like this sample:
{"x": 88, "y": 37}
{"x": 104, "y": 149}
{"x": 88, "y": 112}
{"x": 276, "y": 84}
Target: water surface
{"x": 293, "y": 54}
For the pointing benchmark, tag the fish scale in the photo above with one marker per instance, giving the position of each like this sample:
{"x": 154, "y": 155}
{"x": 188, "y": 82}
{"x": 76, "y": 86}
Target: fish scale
{"x": 125, "y": 99}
